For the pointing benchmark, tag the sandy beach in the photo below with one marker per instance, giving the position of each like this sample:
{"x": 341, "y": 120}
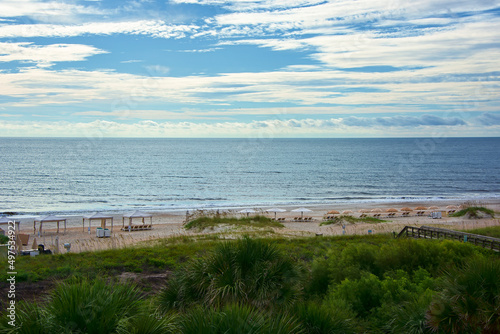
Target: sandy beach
{"x": 171, "y": 224}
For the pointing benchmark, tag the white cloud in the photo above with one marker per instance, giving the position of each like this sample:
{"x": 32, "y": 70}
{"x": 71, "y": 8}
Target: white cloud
{"x": 46, "y": 10}
{"x": 154, "y": 28}
{"x": 46, "y": 54}
{"x": 334, "y": 127}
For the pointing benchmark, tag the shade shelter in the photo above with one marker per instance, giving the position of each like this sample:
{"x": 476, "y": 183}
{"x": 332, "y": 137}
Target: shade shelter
{"x": 6, "y": 221}
{"x": 98, "y": 216}
{"x": 302, "y": 210}
{"x": 137, "y": 215}
{"x": 247, "y": 211}
{"x": 275, "y": 210}
{"x": 48, "y": 219}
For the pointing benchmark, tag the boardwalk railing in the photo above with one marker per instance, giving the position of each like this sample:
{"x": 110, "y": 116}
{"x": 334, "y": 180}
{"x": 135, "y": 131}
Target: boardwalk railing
{"x": 441, "y": 233}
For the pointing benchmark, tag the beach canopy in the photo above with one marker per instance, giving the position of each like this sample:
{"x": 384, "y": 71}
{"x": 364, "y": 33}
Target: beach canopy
{"x": 407, "y": 209}
{"x": 275, "y": 210}
{"x": 247, "y": 211}
{"x": 302, "y": 210}
{"x": 420, "y": 208}
{"x": 137, "y": 215}
{"x": 345, "y": 212}
{"x": 49, "y": 219}
{"x": 98, "y": 216}
{"x": 434, "y": 207}
{"x": 376, "y": 210}
{"x": 333, "y": 212}
{"x": 391, "y": 210}
{"x": 5, "y": 221}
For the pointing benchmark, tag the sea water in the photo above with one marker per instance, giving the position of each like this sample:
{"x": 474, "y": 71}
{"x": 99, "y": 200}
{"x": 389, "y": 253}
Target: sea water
{"x": 82, "y": 175}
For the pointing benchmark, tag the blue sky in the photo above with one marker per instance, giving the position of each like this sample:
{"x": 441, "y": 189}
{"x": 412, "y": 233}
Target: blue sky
{"x": 262, "y": 68}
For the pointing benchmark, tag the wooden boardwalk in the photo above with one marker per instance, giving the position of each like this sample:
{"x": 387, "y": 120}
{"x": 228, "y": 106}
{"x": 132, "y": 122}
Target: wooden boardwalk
{"x": 441, "y": 233}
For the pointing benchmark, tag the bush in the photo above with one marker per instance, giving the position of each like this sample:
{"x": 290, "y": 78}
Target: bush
{"x": 470, "y": 301}
{"x": 318, "y": 319}
{"x": 246, "y": 271}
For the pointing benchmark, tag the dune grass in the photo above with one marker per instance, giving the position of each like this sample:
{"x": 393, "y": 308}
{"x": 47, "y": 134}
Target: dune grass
{"x": 491, "y": 231}
{"x": 474, "y": 212}
{"x": 352, "y": 220}
{"x": 212, "y": 222}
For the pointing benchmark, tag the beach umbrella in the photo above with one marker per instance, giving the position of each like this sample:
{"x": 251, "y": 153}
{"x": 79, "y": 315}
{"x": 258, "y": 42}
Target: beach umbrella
{"x": 433, "y": 207}
{"x": 407, "y": 209}
{"x": 301, "y": 210}
{"x": 376, "y": 210}
{"x": 391, "y": 210}
{"x": 346, "y": 212}
{"x": 247, "y": 211}
{"x": 420, "y": 208}
{"x": 333, "y": 212}
{"x": 452, "y": 207}
{"x": 275, "y": 210}
{"x": 364, "y": 210}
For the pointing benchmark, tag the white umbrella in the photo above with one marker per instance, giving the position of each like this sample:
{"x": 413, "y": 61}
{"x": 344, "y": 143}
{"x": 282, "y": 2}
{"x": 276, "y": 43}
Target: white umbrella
{"x": 247, "y": 211}
{"x": 275, "y": 210}
{"x": 301, "y": 210}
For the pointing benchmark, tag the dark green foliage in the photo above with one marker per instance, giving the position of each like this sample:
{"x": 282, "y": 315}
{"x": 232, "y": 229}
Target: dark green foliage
{"x": 237, "y": 319}
{"x": 149, "y": 321}
{"x": 91, "y": 307}
{"x": 491, "y": 231}
{"x": 34, "y": 320}
{"x": 319, "y": 319}
{"x": 4, "y": 239}
{"x": 474, "y": 212}
{"x": 248, "y": 271}
{"x": 210, "y": 222}
{"x": 411, "y": 317}
{"x": 351, "y": 220}
{"x": 470, "y": 300}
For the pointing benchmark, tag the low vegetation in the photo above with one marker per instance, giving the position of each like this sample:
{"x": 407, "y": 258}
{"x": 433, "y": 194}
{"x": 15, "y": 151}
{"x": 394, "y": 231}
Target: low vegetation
{"x": 474, "y": 212}
{"x": 348, "y": 284}
{"x": 491, "y": 231}
{"x": 351, "y": 220}
{"x": 210, "y": 223}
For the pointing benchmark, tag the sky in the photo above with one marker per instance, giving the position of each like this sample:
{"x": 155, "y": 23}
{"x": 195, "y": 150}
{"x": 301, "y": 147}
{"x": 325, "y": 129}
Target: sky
{"x": 256, "y": 68}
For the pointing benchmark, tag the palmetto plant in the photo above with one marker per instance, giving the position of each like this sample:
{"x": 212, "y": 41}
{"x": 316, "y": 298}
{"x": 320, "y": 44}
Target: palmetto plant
{"x": 470, "y": 301}
{"x": 246, "y": 271}
{"x": 92, "y": 307}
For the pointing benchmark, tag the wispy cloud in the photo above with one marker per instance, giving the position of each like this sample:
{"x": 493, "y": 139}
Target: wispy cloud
{"x": 364, "y": 127}
{"x": 45, "y": 55}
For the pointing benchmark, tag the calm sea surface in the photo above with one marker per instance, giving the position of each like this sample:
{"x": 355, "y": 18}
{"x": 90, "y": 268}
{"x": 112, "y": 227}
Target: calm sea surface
{"x": 71, "y": 176}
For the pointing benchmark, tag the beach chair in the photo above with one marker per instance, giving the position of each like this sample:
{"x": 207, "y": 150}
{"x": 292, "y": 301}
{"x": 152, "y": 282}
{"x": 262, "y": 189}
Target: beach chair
{"x": 363, "y": 215}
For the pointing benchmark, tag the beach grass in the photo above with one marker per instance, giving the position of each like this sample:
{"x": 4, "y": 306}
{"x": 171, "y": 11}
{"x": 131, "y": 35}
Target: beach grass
{"x": 204, "y": 223}
{"x": 474, "y": 212}
{"x": 334, "y": 284}
{"x": 352, "y": 220}
{"x": 491, "y": 231}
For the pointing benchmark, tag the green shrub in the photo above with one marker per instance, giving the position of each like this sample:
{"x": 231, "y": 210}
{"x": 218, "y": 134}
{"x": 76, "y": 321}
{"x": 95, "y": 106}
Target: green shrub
{"x": 91, "y": 307}
{"x": 246, "y": 271}
{"x": 318, "y": 319}
{"x": 237, "y": 319}
{"x": 474, "y": 212}
{"x": 470, "y": 300}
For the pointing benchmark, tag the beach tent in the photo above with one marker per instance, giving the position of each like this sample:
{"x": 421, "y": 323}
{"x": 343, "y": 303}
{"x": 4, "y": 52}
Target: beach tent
{"x": 137, "y": 215}
{"x": 5, "y": 221}
{"x": 302, "y": 210}
{"x": 98, "y": 216}
{"x": 247, "y": 211}
{"x": 275, "y": 210}
{"x": 48, "y": 219}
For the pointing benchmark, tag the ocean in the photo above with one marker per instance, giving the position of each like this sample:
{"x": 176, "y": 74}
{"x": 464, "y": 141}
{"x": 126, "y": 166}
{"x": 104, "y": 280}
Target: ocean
{"x": 82, "y": 175}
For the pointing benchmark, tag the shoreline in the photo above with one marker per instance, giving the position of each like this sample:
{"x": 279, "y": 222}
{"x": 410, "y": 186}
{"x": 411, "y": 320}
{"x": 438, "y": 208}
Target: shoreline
{"x": 171, "y": 224}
